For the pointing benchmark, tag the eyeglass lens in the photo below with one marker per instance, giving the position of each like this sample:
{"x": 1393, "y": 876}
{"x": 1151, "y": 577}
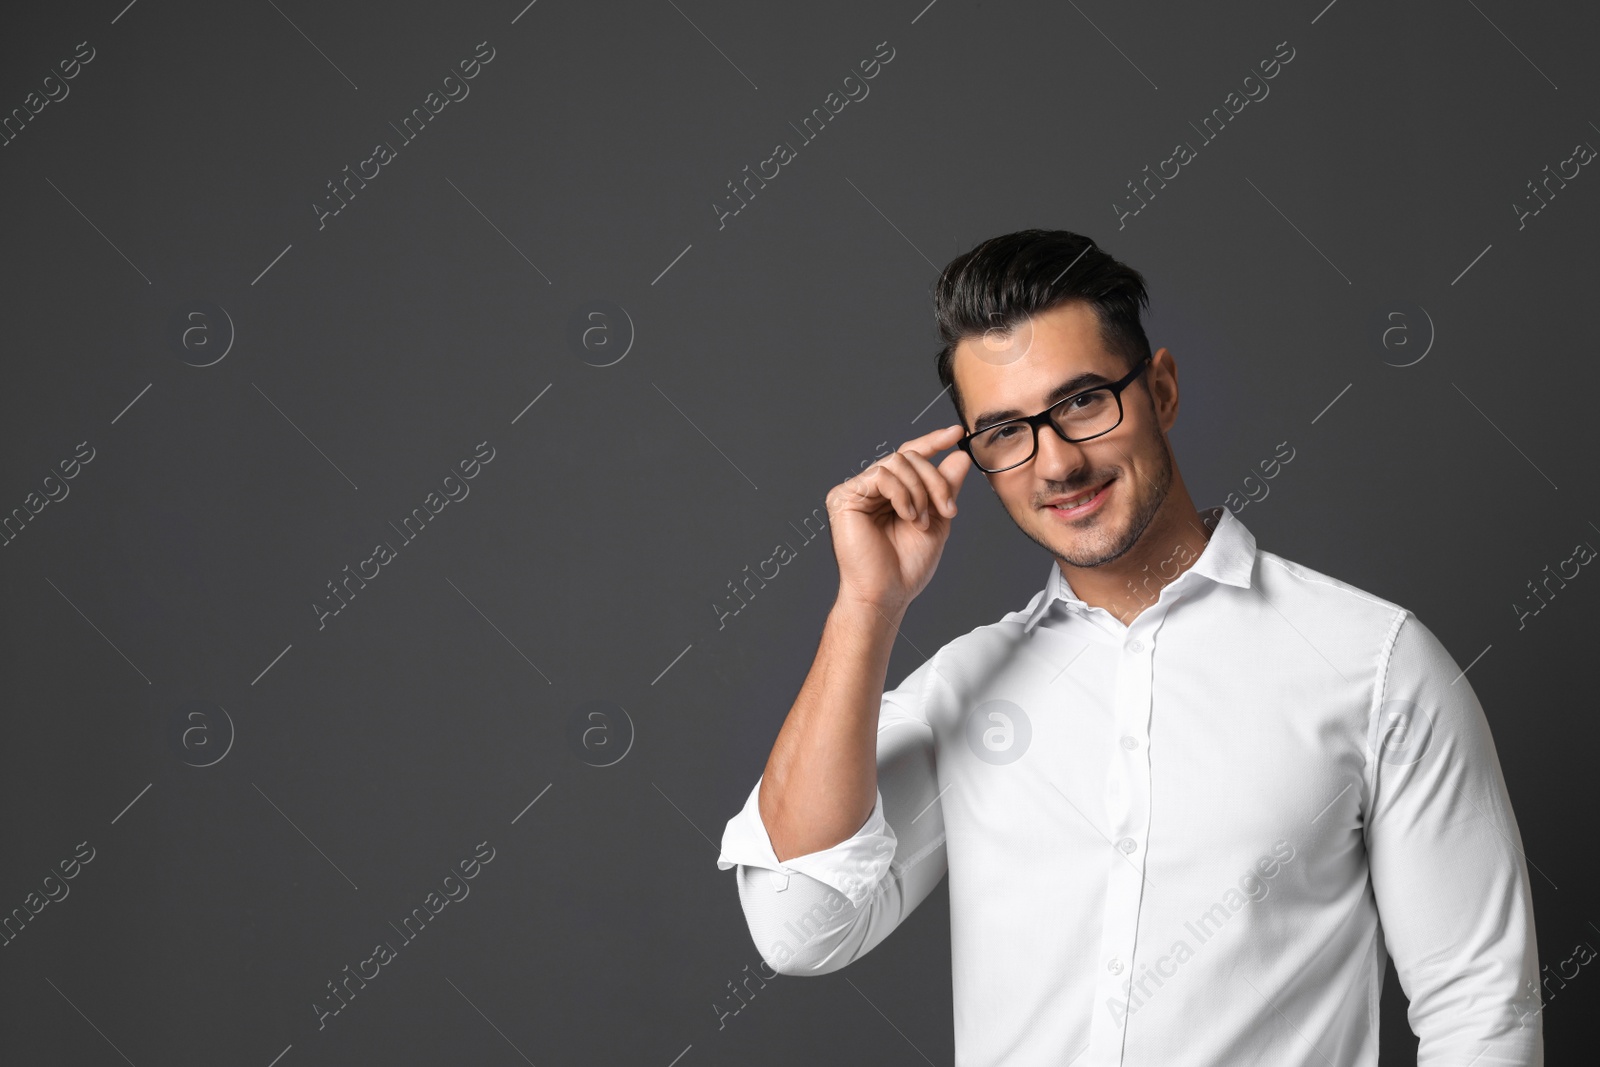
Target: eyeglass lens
{"x": 1010, "y": 443}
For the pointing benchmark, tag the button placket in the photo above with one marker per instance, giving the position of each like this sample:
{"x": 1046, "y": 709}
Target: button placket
{"x": 1127, "y": 812}
{"x": 1127, "y": 805}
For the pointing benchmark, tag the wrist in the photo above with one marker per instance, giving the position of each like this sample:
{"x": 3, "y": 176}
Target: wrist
{"x": 862, "y": 612}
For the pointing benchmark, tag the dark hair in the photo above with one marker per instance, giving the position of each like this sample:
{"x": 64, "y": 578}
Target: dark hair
{"x": 1007, "y": 279}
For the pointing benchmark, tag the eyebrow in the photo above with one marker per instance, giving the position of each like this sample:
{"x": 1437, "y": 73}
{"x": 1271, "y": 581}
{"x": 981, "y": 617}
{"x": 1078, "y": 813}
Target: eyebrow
{"x": 1072, "y": 385}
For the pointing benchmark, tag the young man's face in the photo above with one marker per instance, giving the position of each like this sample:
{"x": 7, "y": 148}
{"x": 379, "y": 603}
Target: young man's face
{"x": 1020, "y": 373}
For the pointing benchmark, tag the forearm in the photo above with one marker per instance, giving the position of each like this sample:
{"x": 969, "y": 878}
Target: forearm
{"x": 843, "y": 900}
{"x": 821, "y": 779}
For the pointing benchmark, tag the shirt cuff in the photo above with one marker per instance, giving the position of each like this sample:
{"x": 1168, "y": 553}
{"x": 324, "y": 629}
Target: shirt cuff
{"x": 853, "y": 866}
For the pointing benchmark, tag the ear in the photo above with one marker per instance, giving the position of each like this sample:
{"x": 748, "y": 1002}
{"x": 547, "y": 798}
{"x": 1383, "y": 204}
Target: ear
{"x": 1169, "y": 390}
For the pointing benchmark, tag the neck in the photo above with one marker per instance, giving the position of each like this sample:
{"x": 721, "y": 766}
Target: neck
{"x": 1168, "y": 547}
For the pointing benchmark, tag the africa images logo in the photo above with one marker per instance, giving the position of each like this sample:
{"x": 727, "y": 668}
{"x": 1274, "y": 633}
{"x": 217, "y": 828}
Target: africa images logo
{"x": 998, "y": 732}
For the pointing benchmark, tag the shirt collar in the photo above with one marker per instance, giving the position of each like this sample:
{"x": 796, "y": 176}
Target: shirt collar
{"x": 1229, "y": 557}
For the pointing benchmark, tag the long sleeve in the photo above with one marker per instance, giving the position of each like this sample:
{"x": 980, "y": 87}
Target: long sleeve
{"x": 817, "y": 912}
{"x": 1447, "y": 866}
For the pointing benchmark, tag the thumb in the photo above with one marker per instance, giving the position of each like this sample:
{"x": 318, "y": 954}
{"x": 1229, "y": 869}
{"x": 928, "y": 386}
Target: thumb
{"x": 954, "y": 468}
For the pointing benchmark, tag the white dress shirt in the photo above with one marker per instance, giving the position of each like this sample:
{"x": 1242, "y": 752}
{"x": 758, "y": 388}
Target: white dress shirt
{"x": 1189, "y": 841}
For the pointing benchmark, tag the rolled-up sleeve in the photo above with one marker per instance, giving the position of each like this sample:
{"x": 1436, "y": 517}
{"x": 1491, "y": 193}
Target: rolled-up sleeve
{"x": 1447, "y": 867}
{"x": 817, "y": 912}
{"x": 853, "y": 866}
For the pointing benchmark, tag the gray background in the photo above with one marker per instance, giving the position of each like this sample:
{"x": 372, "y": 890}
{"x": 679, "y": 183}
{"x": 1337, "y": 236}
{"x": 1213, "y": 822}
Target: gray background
{"x": 160, "y": 615}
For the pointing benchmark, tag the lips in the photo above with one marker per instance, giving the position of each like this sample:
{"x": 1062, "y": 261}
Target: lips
{"x": 1063, "y": 502}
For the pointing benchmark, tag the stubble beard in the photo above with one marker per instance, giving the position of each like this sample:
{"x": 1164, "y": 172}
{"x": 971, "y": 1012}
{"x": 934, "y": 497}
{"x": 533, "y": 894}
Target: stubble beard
{"x": 1095, "y": 545}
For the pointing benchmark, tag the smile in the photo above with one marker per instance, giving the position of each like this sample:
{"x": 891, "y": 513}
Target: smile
{"x": 1083, "y": 503}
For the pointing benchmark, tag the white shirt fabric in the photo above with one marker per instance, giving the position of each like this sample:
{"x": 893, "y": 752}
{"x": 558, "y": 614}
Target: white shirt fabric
{"x": 1185, "y": 842}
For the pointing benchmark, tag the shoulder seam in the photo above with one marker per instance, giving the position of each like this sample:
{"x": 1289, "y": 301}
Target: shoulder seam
{"x": 1380, "y": 689}
{"x": 1298, "y": 572}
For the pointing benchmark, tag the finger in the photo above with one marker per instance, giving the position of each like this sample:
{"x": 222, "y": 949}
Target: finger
{"x": 871, "y": 490}
{"x": 954, "y": 467}
{"x": 903, "y": 466}
{"x": 936, "y": 441}
{"x": 892, "y": 487}
{"x": 937, "y": 488}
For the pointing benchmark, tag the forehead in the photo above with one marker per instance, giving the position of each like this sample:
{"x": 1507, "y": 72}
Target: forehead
{"x": 1019, "y": 370}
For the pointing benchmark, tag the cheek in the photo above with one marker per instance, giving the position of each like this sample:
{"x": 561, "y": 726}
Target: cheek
{"x": 1149, "y": 473}
{"x": 1016, "y": 497}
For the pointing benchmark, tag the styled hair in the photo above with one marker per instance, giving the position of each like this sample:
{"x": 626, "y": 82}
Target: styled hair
{"x": 1008, "y": 279}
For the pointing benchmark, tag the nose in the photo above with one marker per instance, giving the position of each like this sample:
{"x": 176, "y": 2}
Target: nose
{"x": 1057, "y": 459}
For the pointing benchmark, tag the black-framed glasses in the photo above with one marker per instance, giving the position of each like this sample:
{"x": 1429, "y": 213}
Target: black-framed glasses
{"x": 1079, "y": 417}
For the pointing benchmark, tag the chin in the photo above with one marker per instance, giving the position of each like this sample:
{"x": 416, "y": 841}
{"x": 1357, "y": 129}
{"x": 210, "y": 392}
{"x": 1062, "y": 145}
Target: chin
{"x": 1092, "y": 544}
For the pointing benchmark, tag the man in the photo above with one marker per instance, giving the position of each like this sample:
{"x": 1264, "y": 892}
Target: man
{"x": 1190, "y": 798}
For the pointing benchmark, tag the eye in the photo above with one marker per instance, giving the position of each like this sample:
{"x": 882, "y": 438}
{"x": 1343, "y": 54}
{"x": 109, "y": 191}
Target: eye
{"x": 1085, "y": 401}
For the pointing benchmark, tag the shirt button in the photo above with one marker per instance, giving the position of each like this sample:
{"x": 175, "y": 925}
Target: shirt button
{"x": 1127, "y": 844}
{"x": 1137, "y": 646}
{"x": 1129, "y": 743}
{"x": 1115, "y": 966}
